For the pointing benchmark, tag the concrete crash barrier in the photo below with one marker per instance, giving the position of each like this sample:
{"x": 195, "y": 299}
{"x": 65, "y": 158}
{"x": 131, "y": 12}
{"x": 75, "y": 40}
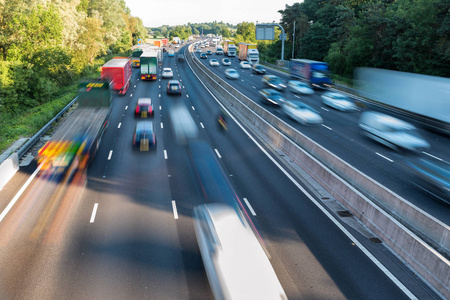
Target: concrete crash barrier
{"x": 8, "y": 168}
{"x": 406, "y": 229}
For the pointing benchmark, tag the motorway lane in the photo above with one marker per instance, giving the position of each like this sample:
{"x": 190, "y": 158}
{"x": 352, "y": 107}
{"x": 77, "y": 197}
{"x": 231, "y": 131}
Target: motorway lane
{"x": 340, "y": 134}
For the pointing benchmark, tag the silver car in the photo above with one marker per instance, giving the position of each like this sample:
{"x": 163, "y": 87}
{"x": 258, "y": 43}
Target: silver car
{"x": 231, "y": 74}
{"x": 392, "y": 132}
{"x": 338, "y": 101}
{"x": 167, "y": 73}
{"x": 301, "y": 113}
{"x": 299, "y": 87}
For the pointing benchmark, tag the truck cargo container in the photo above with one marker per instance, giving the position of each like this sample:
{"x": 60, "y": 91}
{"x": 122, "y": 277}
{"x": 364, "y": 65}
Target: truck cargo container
{"x": 76, "y": 141}
{"x": 249, "y": 52}
{"x": 158, "y": 43}
{"x": 118, "y": 71}
{"x": 229, "y": 48}
{"x": 165, "y": 42}
{"x": 424, "y": 98}
{"x": 149, "y": 65}
{"x": 315, "y": 73}
{"x": 135, "y": 58}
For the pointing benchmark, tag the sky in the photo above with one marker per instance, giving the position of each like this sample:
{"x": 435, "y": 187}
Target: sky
{"x": 155, "y": 13}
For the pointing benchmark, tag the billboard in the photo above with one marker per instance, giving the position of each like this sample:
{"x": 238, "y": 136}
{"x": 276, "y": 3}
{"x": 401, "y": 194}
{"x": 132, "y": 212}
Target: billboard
{"x": 265, "y": 31}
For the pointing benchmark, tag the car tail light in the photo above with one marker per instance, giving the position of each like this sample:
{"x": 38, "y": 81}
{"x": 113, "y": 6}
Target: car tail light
{"x": 137, "y": 110}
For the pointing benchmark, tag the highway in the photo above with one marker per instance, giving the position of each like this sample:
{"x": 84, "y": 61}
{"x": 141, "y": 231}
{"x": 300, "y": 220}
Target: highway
{"x": 341, "y": 135}
{"x": 124, "y": 230}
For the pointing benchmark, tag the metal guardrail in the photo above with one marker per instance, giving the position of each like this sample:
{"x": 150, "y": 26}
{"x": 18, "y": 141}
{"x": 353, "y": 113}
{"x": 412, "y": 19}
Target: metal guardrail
{"x": 33, "y": 140}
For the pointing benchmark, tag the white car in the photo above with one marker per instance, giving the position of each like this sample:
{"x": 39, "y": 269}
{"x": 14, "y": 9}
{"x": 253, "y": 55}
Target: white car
{"x": 213, "y": 62}
{"x": 338, "y": 101}
{"x": 198, "y": 50}
{"x": 299, "y": 87}
{"x": 226, "y": 62}
{"x": 302, "y": 113}
{"x": 235, "y": 262}
{"x": 245, "y": 65}
{"x": 392, "y": 132}
{"x": 177, "y": 46}
{"x": 231, "y": 74}
{"x": 167, "y": 73}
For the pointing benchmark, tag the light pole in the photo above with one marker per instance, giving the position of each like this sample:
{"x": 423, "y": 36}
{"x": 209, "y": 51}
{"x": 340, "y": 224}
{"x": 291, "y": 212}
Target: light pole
{"x": 293, "y": 41}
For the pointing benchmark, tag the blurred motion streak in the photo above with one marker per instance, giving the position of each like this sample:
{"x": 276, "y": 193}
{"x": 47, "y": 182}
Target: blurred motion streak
{"x": 183, "y": 125}
{"x": 426, "y": 97}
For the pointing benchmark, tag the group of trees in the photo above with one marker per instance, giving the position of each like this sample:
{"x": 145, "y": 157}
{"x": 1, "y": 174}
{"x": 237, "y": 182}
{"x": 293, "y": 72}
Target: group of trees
{"x": 184, "y": 31}
{"x": 404, "y": 35}
{"x": 46, "y": 45}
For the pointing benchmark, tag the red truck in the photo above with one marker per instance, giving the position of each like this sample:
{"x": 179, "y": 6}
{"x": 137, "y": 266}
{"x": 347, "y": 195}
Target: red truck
{"x": 118, "y": 71}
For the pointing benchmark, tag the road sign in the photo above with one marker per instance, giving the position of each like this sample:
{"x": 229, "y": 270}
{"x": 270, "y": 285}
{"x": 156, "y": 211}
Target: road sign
{"x": 265, "y": 32}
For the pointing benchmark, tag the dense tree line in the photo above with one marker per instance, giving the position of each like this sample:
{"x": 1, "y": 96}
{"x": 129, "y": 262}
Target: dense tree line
{"x": 404, "y": 35}
{"x": 46, "y": 45}
{"x": 184, "y": 31}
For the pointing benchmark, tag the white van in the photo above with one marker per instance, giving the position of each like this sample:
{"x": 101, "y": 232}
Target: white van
{"x": 236, "y": 264}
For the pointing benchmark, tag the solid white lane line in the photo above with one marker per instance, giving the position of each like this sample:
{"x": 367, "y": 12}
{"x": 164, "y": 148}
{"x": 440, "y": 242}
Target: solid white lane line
{"x": 120, "y": 124}
{"x": 438, "y": 158}
{"x": 384, "y": 157}
{"x": 126, "y": 107}
{"x": 20, "y": 192}
{"x": 162, "y": 126}
{"x": 324, "y": 109}
{"x": 201, "y": 124}
{"x": 250, "y": 207}
{"x": 165, "y": 154}
{"x": 110, "y": 154}
{"x": 175, "y": 212}
{"x": 327, "y": 127}
{"x": 94, "y": 212}
{"x": 217, "y": 152}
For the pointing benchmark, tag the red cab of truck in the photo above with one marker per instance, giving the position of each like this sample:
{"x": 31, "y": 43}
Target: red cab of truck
{"x": 118, "y": 71}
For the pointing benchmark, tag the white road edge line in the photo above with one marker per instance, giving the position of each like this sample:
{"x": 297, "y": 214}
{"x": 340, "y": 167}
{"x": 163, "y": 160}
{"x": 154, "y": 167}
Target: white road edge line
{"x": 110, "y": 155}
{"x": 120, "y": 124}
{"x": 217, "y": 152}
{"x": 250, "y": 207}
{"x": 329, "y": 215}
{"x": 384, "y": 157}
{"x": 20, "y": 192}
{"x": 438, "y": 158}
{"x": 94, "y": 212}
{"x": 165, "y": 154}
{"x": 175, "y": 212}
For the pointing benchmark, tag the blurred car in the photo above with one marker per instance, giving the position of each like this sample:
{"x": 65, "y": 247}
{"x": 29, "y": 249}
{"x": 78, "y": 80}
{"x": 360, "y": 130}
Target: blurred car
{"x": 231, "y": 74}
{"x": 299, "y": 87}
{"x": 272, "y": 96}
{"x": 202, "y": 46}
{"x": 274, "y": 82}
{"x": 209, "y": 52}
{"x": 302, "y": 113}
{"x": 433, "y": 175}
{"x": 226, "y": 62}
{"x": 144, "y": 108}
{"x": 144, "y": 137}
{"x": 213, "y": 62}
{"x": 338, "y": 101}
{"x": 171, "y": 53}
{"x": 174, "y": 87}
{"x": 392, "y": 132}
{"x": 177, "y": 46}
{"x": 198, "y": 50}
{"x": 235, "y": 262}
{"x": 258, "y": 69}
{"x": 167, "y": 73}
{"x": 203, "y": 55}
{"x": 245, "y": 65}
